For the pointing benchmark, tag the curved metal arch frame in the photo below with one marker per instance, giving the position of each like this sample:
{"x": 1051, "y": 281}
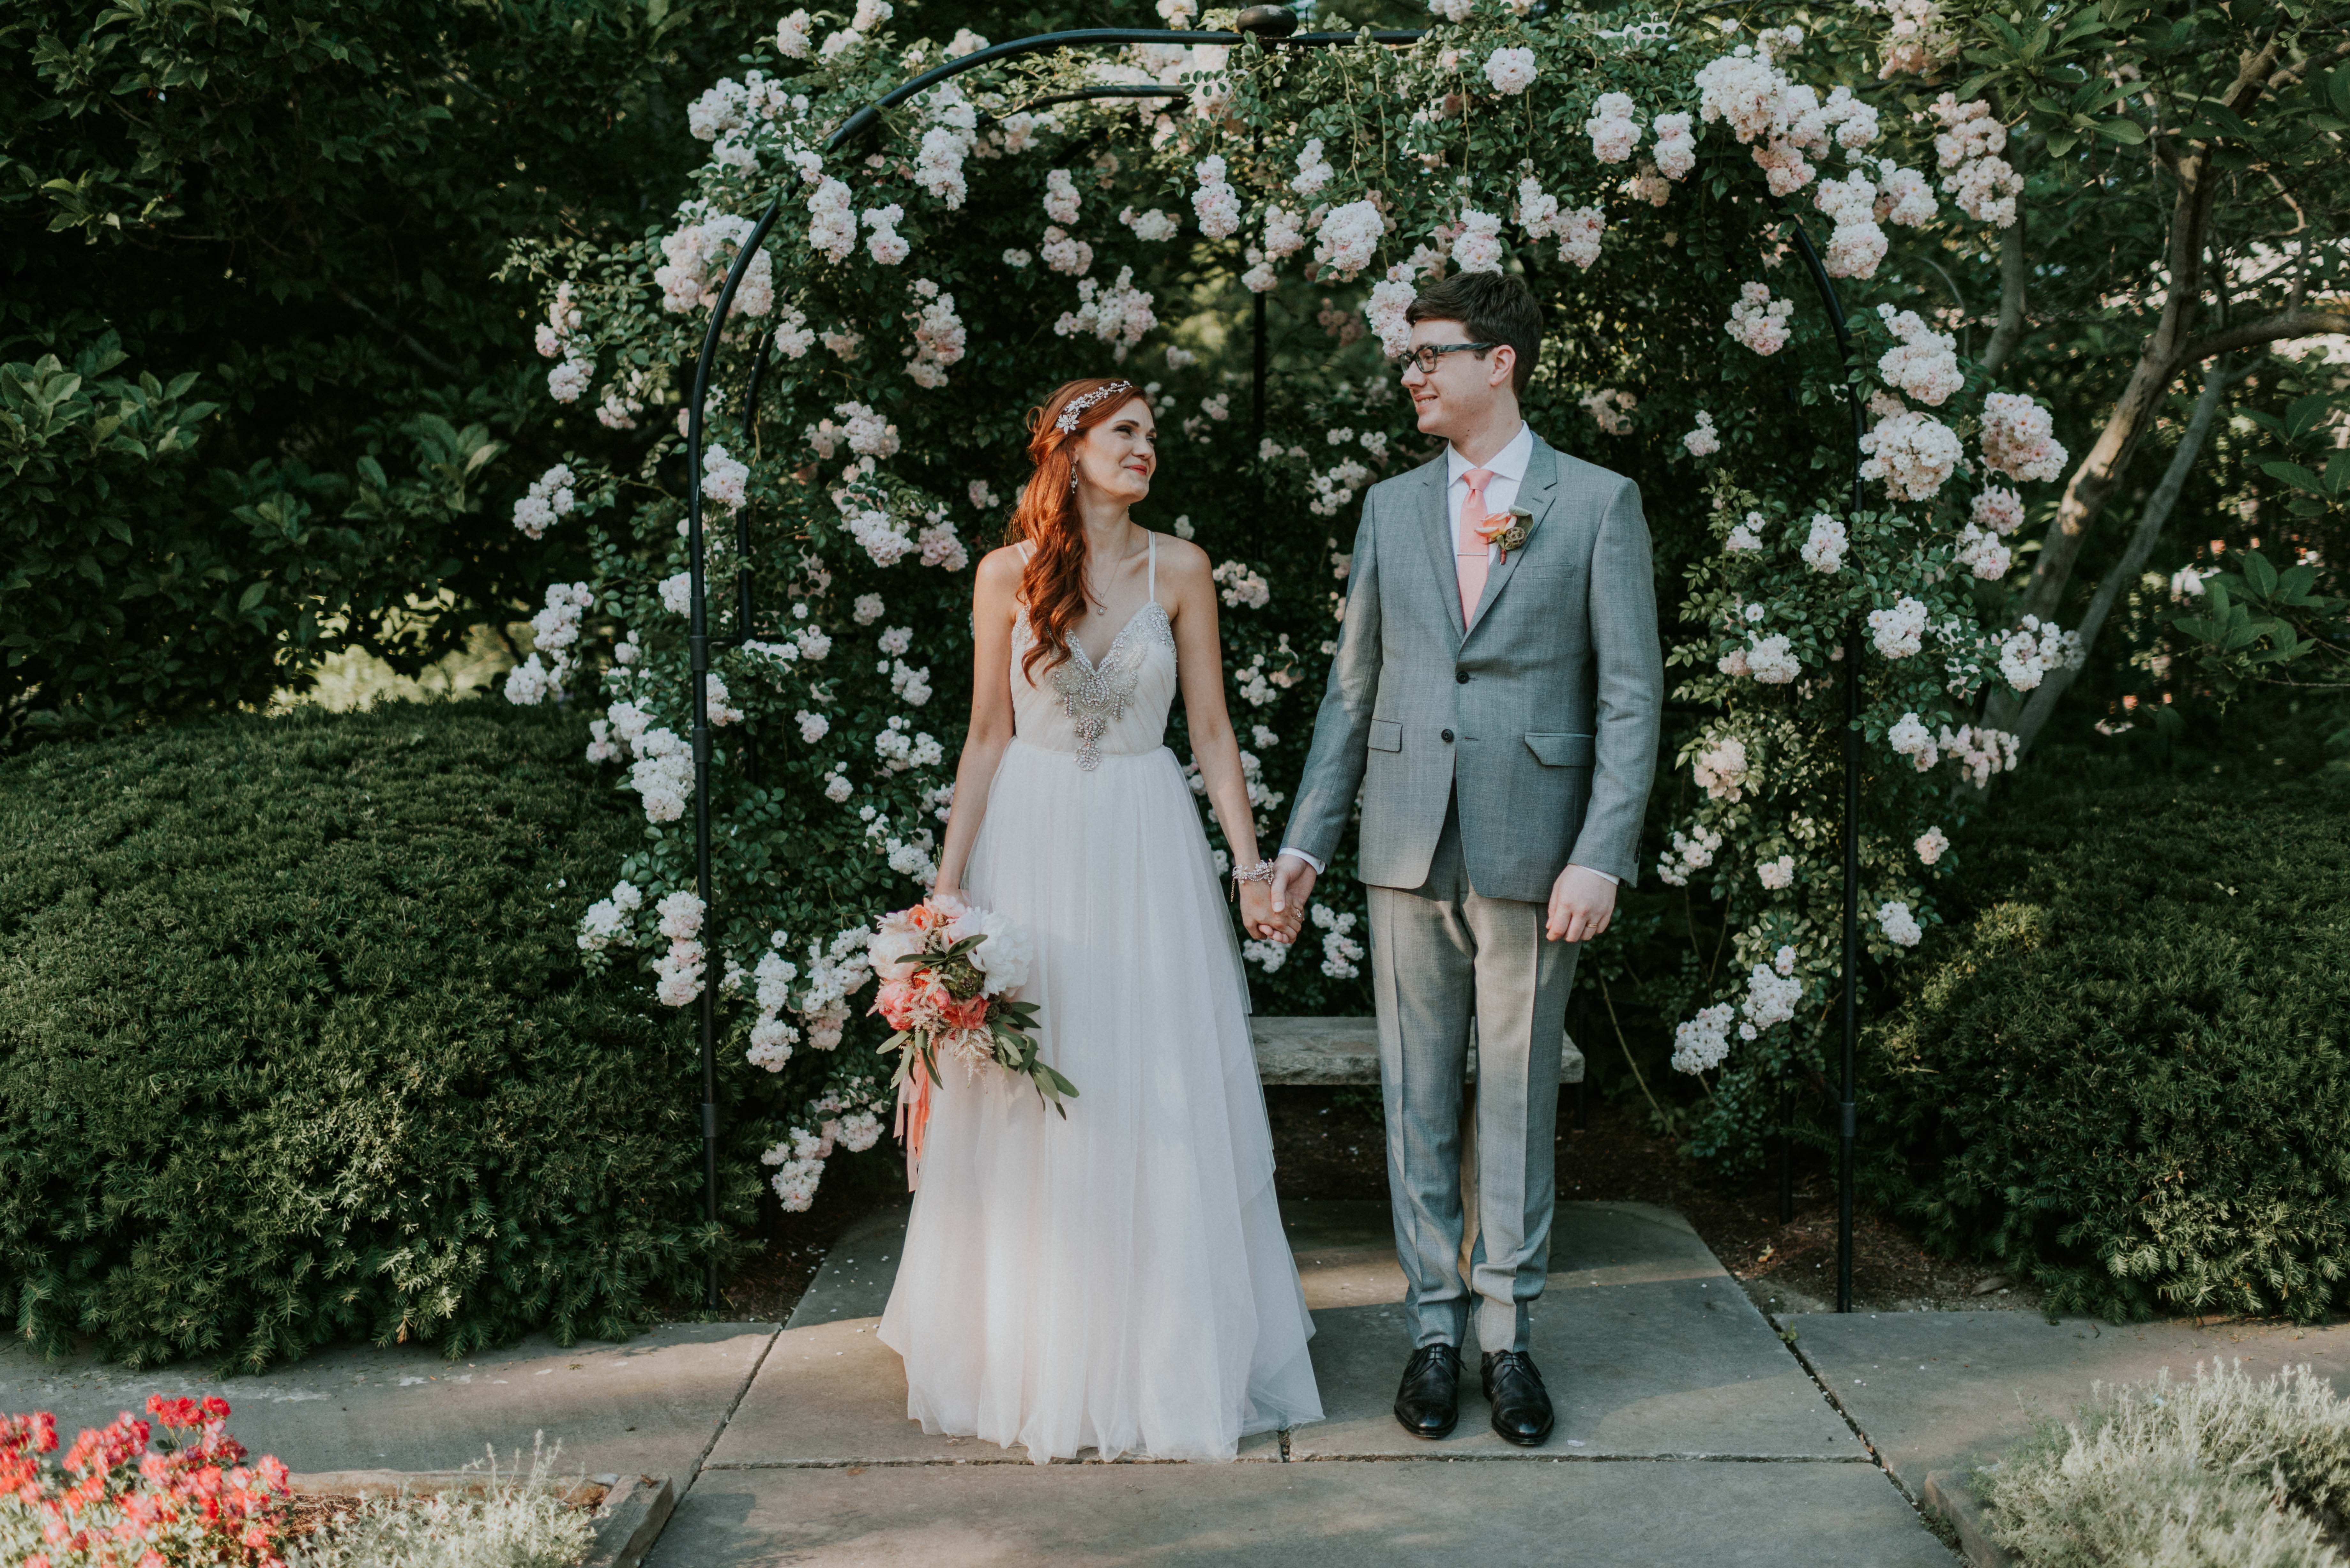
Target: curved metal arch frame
{"x": 1265, "y": 30}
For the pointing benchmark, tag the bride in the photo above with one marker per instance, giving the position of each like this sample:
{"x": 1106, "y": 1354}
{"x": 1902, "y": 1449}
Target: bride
{"x": 1118, "y": 1280}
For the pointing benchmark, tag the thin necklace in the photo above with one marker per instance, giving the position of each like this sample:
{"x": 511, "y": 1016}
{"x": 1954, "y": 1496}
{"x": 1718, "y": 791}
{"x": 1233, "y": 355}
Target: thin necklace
{"x": 1122, "y": 560}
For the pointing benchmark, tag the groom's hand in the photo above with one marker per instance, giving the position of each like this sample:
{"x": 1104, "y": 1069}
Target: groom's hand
{"x": 1581, "y": 903}
{"x": 1293, "y": 884}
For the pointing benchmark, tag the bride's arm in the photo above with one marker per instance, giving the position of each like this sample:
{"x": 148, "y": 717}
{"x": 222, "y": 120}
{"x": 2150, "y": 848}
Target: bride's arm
{"x": 1191, "y": 593}
{"x": 994, "y": 597}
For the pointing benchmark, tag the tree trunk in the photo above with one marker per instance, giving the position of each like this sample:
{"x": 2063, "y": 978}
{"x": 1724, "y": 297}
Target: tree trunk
{"x": 2150, "y": 524}
{"x": 2160, "y": 358}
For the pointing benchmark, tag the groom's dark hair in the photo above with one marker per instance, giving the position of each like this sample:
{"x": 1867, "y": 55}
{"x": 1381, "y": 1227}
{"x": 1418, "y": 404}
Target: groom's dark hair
{"x": 1495, "y": 308}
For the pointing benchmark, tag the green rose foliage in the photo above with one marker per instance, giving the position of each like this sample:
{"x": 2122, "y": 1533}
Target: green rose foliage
{"x": 922, "y": 285}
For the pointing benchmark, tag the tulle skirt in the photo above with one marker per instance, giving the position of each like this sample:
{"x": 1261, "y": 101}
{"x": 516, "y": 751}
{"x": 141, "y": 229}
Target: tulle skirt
{"x": 1117, "y": 1281}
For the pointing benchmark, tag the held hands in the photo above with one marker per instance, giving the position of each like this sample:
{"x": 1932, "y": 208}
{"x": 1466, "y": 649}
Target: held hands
{"x": 1258, "y": 918}
{"x": 1582, "y": 902}
{"x": 1293, "y": 884}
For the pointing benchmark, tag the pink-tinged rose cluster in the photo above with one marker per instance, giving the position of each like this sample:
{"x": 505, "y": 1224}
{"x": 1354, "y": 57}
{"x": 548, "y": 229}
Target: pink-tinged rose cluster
{"x": 1918, "y": 42}
{"x": 1900, "y": 631}
{"x": 1856, "y": 244}
{"x": 1511, "y": 71}
{"x": 1923, "y": 363}
{"x": 1120, "y": 315}
{"x": 1915, "y": 454}
{"x": 1721, "y": 769}
{"x": 2019, "y": 438}
{"x": 1825, "y": 544}
{"x": 1215, "y": 202}
{"x": 1348, "y": 238}
{"x": 1576, "y": 229}
{"x": 1998, "y": 511}
{"x": 1613, "y": 132}
{"x": 1676, "y": 145}
{"x": 1973, "y": 173}
{"x": 1758, "y": 321}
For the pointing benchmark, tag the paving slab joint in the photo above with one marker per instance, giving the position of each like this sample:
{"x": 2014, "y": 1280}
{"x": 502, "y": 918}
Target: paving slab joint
{"x": 702, "y": 1459}
{"x": 1948, "y": 1494}
{"x": 1821, "y": 1383}
{"x": 1919, "y": 1504}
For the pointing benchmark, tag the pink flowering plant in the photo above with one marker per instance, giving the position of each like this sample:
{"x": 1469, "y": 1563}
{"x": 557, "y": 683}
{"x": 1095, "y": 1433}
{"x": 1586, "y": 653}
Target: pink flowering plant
{"x": 120, "y": 1501}
{"x": 927, "y": 283}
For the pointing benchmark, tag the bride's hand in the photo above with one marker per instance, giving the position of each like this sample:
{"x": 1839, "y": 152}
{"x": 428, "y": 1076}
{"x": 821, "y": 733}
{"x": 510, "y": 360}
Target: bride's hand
{"x": 1257, "y": 918}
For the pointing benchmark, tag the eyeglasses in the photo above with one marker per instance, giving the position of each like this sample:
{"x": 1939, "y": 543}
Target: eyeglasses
{"x": 1425, "y": 355}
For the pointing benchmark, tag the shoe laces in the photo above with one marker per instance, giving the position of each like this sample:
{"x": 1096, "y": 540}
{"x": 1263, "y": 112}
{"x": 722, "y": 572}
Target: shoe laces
{"x": 1427, "y": 1356}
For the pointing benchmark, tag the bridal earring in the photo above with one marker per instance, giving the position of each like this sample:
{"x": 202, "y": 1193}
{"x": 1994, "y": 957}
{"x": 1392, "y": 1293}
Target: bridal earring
{"x": 1073, "y": 479}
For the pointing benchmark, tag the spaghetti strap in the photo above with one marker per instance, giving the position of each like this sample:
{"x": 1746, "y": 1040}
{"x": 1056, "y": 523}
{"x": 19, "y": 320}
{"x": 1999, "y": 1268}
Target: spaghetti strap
{"x": 1154, "y": 568}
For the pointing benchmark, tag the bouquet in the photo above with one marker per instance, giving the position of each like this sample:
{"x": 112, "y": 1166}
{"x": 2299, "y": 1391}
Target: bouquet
{"x": 950, "y": 976}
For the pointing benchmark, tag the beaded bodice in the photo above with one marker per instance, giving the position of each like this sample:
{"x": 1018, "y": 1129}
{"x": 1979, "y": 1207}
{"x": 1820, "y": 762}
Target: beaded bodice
{"x": 1116, "y": 707}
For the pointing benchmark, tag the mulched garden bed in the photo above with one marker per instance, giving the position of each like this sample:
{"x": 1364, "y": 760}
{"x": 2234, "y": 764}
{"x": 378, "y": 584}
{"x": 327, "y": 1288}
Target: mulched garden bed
{"x": 1328, "y": 1144}
{"x": 307, "y": 1513}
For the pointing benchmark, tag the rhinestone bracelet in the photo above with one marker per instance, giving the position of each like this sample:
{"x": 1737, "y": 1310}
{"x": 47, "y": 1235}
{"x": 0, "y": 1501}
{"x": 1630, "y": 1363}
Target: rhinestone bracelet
{"x": 1260, "y": 872}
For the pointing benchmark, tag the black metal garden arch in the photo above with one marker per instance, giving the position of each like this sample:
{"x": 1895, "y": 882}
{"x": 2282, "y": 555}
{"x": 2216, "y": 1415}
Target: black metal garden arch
{"x": 1265, "y": 27}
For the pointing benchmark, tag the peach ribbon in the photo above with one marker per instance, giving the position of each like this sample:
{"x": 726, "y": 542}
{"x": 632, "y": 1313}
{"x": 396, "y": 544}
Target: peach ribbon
{"x": 913, "y": 1115}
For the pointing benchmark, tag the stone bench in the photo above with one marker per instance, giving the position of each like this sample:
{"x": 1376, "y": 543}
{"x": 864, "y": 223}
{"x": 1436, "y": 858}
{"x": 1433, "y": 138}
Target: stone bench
{"x": 1290, "y": 1050}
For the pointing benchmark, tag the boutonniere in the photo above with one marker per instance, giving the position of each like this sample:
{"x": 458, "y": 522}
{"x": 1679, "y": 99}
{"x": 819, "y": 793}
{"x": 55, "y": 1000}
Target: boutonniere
{"x": 1508, "y": 530}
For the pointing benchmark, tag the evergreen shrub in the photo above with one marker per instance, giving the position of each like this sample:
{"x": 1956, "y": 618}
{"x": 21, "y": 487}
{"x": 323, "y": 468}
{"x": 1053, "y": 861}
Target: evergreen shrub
{"x": 2121, "y": 1072}
{"x": 296, "y": 1044}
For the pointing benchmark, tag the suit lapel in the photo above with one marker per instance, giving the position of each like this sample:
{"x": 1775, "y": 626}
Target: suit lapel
{"x": 1536, "y": 494}
{"x": 1435, "y": 526}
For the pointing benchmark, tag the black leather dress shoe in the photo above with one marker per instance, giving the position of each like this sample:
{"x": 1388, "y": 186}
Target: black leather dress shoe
{"x": 1428, "y": 1403}
{"x": 1522, "y": 1412}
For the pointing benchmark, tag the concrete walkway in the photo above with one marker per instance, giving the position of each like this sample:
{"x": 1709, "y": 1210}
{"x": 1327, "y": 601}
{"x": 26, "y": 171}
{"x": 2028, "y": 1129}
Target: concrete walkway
{"x": 1944, "y": 1391}
{"x": 1688, "y": 1434}
{"x": 654, "y": 1405}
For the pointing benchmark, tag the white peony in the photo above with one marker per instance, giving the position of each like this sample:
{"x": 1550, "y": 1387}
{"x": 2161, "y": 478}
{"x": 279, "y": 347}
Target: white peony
{"x": 1005, "y": 957}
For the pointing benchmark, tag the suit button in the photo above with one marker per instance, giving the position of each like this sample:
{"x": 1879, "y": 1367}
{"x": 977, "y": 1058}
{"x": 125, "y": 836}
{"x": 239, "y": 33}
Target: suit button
{"x": 1448, "y": 734}
{"x": 1460, "y": 677}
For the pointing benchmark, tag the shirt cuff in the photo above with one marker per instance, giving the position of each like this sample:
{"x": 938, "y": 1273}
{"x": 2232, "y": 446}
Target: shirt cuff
{"x": 1594, "y": 870}
{"x": 1309, "y": 860}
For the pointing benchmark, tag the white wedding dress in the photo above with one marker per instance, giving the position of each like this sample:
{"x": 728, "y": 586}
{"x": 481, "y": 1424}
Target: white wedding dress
{"x": 1118, "y": 1281}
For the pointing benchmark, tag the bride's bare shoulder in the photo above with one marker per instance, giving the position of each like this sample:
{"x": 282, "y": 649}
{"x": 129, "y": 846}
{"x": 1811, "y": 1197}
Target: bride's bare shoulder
{"x": 1183, "y": 562}
{"x": 999, "y": 570}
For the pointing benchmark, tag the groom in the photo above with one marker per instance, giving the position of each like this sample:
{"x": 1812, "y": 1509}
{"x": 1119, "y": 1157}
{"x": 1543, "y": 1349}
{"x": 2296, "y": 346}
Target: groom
{"x": 1495, "y": 696}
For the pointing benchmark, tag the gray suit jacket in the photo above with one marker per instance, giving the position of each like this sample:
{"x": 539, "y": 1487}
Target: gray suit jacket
{"x": 1542, "y": 713}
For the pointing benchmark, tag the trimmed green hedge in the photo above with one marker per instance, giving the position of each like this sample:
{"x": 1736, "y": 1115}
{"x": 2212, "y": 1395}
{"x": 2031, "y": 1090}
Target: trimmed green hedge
{"x": 296, "y": 1044}
{"x": 2122, "y": 1071}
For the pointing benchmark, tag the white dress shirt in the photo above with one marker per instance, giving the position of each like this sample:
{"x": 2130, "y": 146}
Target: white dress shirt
{"x": 1508, "y": 467}
{"x": 1509, "y": 470}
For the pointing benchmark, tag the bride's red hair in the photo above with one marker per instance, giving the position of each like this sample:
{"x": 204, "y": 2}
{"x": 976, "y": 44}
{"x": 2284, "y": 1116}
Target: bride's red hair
{"x": 1053, "y": 584}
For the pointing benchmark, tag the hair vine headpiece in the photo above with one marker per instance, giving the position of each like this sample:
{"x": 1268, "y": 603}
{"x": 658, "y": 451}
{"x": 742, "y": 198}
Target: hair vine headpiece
{"x": 1067, "y": 419}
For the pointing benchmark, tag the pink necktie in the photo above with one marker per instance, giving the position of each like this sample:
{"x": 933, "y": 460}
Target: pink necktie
{"x": 1469, "y": 548}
